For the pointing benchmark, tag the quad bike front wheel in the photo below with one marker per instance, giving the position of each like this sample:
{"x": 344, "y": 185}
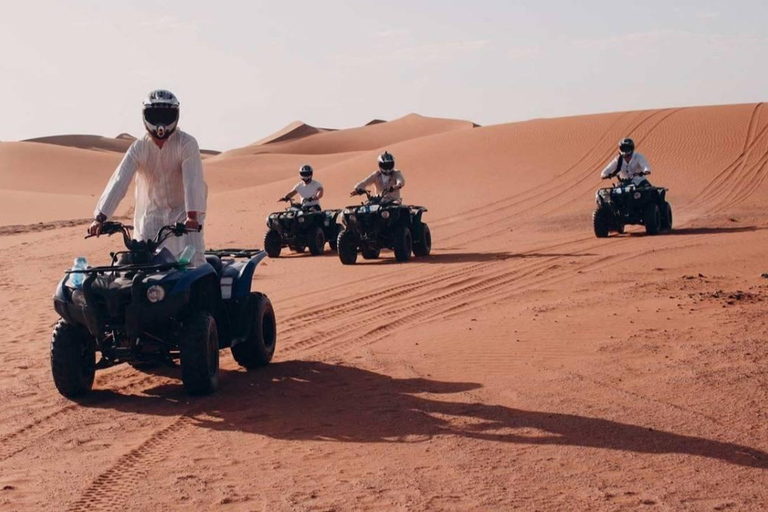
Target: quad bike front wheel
{"x": 601, "y": 222}
{"x": 652, "y": 218}
{"x": 316, "y": 241}
{"x": 258, "y": 347}
{"x": 199, "y": 353}
{"x": 666, "y": 217}
{"x": 73, "y": 359}
{"x": 347, "y": 247}
{"x": 422, "y": 241}
{"x": 403, "y": 243}
{"x": 273, "y": 243}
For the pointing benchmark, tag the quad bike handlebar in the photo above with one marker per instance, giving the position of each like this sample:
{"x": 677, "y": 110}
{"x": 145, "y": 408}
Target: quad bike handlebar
{"x": 110, "y": 228}
{"x": 294, "y": 204}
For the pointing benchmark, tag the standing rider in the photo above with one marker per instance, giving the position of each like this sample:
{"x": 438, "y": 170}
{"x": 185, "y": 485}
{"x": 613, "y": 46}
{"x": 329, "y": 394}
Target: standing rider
{"x": 631, "y": 167}
{"x": 170, "y": 186}
{"x": 387, "y": 179}
{"x": 310, "y": 191}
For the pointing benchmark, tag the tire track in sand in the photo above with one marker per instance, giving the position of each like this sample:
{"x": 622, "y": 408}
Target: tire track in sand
{"x": 108, "y": 490}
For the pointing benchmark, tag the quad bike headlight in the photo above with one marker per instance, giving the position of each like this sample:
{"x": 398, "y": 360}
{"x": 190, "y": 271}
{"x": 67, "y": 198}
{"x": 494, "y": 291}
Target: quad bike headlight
{"x": 155, "y": 293}
{"x": 385, "y": 214}
{"x": 78, "y": 298}
{"x": 638, "y": 195}
{"x": 301, "y": 220}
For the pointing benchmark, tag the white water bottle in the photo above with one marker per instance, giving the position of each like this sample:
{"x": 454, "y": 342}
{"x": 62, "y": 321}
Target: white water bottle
{"x": 77, "y": 279}
{"x": 185, "y": 258}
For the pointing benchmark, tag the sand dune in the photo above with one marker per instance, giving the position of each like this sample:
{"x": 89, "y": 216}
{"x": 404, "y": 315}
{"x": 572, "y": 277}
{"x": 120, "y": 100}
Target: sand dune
{"x": 295, "y": 130}
{"x": 94, "y": 142}
{"x": 525, "y": 365}
{"x": 369, "y": 137}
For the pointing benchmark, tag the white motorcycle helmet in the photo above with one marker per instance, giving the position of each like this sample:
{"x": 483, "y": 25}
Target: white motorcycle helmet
{"x": 161, "y": 113}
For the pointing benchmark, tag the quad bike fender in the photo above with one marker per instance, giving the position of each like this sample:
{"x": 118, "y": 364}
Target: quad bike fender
{"x": 238, "y": 276}
{"x": 417, "y": 214}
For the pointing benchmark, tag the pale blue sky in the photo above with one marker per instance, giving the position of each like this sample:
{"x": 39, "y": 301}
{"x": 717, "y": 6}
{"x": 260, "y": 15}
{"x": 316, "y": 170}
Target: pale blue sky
{"x": 244, "y": 69}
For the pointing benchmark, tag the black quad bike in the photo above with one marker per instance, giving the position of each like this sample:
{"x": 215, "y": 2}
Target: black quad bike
{"x": 627, "y": 203}
{"x": 147, "y": 308}
{"x": 299, "y": 227}
{"x": 379, "y": 223}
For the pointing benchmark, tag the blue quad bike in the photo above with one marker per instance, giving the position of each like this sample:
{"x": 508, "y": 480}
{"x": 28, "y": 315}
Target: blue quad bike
{"x": 300, "y": 227}
{"x": 626, "y": 203}
{"x": 381, "y": 223}
{"x": 148, "y": 308}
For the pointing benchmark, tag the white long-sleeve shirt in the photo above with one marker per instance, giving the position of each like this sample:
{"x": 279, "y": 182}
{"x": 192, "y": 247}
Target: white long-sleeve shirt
{"x": 637, "y": 166}
{"x": 169, "y": 183}
{"x": 383, "y": 182}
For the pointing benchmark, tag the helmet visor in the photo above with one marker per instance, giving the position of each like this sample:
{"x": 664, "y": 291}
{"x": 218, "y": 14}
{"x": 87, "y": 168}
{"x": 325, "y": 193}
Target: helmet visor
{"x": 387, "y": 166}
{"x": 161, "y": 115}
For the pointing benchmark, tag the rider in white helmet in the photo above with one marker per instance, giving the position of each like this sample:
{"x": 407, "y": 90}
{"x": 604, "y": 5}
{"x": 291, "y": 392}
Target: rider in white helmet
{"x": 387, "y": 180}
{"x": 170, "y": 187}
{"x": 310, "y": 190}
{"x": 630, "y": 166}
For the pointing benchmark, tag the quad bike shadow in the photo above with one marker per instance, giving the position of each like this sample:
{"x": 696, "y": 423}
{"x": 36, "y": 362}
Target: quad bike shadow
{"x": 316, "y": 401}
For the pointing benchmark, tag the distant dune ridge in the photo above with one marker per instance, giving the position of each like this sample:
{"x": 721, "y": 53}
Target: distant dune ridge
{"x": 700, "y": 152}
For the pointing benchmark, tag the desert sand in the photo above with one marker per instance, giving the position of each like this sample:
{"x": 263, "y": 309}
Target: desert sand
{"x": 525, "y": 365}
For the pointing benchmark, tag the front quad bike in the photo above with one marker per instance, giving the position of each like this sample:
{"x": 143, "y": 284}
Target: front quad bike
{"x": 379, "y": 224}
{"x": 627, "y": 203}
{"x": 299, "y": 227}
{"x": 148, "y": 308}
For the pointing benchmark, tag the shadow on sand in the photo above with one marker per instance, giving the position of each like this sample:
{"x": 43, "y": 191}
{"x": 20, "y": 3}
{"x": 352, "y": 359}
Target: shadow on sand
{"x": 703, "y": 231}
{"x": 308, "y": 400}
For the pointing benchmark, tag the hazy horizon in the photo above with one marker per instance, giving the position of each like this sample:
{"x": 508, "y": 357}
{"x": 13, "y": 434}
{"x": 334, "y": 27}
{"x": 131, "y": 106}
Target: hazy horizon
{"x": 245, "y": 71}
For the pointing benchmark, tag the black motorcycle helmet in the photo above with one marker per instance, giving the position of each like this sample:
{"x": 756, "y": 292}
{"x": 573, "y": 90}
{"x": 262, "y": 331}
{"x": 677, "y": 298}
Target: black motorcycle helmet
{"x": 306, "y": 173}
{"x": 627, "y": 147}
{"x": 386, "y": 163}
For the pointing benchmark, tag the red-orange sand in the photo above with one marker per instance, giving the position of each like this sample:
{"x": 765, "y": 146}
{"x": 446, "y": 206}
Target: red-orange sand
{"x": 525, "y": 365}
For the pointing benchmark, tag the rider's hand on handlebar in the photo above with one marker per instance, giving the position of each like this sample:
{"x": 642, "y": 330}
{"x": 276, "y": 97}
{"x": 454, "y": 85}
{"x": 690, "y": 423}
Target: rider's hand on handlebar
{"x": 95, "y": 228}
{"x": 192, "y": 224}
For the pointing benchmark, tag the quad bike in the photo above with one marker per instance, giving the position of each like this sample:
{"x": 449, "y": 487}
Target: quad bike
{"x": 299, "y": 227}
{"x": 380, "y": 223}
{"x": 148, "y": 308}
{"x": 630, "y": 203}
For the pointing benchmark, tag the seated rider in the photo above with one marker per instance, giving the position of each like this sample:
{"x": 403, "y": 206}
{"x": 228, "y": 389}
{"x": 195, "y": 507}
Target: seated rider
{"x": 631, "y": 167}
{"x": 387, "y": 180}
{"x": 308, "y": 189}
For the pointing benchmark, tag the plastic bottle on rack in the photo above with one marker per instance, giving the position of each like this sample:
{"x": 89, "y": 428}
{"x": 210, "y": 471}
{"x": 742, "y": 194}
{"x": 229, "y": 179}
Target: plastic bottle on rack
{"x": 77, "y": 279}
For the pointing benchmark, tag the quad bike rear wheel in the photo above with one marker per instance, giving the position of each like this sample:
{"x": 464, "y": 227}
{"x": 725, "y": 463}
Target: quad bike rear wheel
{"x": 199, "y": 353}
{"x": 652, "y": 218}
{"x": 601, "y": 222}
{"x": 258, "y": 347}
{"x": 403, "y": 243}
{"x": 73, "y": 359}
{"x": 316, "y": 241}
{"x": 334, "y": 237}
{"x": 273, "y": 243}
{"x": 666, "y": 217}
{"x": 422, "y": 241}
{"x": 347, "y": 247}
